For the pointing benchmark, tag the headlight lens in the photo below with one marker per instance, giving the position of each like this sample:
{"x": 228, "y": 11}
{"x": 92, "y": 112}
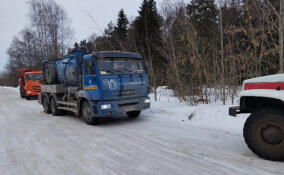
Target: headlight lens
{"x": 147, "y": 101}
{"x": 29, "y": 92}
{"x": 106, "y": 106}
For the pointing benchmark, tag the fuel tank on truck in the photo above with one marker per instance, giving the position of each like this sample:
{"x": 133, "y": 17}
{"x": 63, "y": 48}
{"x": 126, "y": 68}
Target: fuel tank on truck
{"x": 64, "y": 70}
{"x": 67, "y": 71}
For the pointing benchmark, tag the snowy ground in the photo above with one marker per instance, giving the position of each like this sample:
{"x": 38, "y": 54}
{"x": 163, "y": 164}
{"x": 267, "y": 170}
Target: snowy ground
{"x": 162, "y": 141}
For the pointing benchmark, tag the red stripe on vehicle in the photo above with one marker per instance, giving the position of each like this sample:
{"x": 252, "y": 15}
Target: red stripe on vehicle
{"x": 264, "y": 86}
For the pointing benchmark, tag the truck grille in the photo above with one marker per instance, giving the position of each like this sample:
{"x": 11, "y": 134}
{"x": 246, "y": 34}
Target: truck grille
{"x": 36, "y": 88}
{"x": 127, "y": 93}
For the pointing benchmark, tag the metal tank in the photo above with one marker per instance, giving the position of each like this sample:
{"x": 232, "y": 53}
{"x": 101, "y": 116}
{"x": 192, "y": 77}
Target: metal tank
{"x": 65, "y": 70}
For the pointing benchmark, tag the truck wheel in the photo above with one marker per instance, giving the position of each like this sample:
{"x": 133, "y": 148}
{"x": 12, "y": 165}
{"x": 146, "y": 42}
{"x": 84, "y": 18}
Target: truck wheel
{"x": 133, "y": 114}
{"x": 28, "y": 97}
{"x": 53, "y": 107}
{"x": 264, "y": 134}
{"x": 45, "y": 105}
{"x": 87, "y": 115}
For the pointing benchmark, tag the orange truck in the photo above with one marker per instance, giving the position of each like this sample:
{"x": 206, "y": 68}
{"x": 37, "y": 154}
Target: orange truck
{"x": 30, "y": 81}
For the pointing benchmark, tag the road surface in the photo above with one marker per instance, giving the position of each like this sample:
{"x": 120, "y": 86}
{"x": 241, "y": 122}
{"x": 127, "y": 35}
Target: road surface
{"x": 35, "y": 143}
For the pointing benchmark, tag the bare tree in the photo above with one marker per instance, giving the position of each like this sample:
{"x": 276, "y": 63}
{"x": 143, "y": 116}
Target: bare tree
{"x": 51, "y": 26}
{"x": 281, "y": 30}
{"x": 222, "y": 53}
{"x": 46, "y": 38}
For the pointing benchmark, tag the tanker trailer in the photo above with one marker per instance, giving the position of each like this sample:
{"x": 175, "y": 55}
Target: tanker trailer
{"x": 103, "y": 84}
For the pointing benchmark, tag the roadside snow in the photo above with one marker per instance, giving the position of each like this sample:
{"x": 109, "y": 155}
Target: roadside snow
{"x": 10, "y": 88}
{"x": 213, "y": 115}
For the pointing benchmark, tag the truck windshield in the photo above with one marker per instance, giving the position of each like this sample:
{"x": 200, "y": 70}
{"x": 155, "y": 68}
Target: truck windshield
{"x": 34, "y": 76}
{"x": 120, "y": 65}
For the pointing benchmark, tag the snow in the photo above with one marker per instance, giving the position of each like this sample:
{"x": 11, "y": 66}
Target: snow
{"x": 10, "y": 88}
{"x": 162, "y": 141}
{"x": 266, "y": 79}
{"x": 213, "y": 115}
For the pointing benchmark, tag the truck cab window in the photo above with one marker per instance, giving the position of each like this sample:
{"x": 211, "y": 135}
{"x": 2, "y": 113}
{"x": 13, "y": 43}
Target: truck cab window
{"x": 34, "y": 76}
{"x": 90, "y": 68}
{"x": 120, "y": 66}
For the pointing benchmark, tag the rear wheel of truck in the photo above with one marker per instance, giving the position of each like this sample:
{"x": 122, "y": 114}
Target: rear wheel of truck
{"x": 133, "y": 114}
{"x": 87, "y": 114}
{"x": 45, "y": 105}
{"x": 53, "y": 107}
{"x": 264, "y": 134}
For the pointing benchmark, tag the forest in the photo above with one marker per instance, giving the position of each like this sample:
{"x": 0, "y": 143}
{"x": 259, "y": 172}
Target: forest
{"x": 202, "y": 49}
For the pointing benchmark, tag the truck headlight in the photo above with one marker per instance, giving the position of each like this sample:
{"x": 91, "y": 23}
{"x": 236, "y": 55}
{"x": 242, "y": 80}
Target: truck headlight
{"x": 106, "y": 106}
{"x": 147, "y": 101}
{"x": 29, "y": 92}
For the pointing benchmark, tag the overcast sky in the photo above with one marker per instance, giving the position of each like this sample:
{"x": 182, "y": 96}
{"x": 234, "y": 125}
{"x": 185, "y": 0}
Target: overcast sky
{"x": 13, "y": 18}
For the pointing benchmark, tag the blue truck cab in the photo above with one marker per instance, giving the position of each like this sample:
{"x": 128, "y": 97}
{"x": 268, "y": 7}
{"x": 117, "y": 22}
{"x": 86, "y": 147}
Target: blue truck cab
{"x": 96, "y": 85}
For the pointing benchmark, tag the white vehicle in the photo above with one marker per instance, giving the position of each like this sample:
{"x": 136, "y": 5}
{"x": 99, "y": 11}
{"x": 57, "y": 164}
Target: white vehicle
{"x": 263, "y": 131}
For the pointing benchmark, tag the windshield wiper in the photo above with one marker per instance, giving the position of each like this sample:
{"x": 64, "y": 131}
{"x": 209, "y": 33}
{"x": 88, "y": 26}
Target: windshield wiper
{"x": 131, "y": 70}
{"x": 114, "y": 71}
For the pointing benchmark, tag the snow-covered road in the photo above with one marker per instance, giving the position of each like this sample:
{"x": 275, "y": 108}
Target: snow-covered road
{"x": 33, "y": 143}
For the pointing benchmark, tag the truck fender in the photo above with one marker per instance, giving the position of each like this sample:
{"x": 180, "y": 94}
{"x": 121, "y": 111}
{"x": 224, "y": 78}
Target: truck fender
{"x": 268, "y": 93}
{"x": 85, "y": 96}
{"x": 253, "y": 100}
{"x": 91, "y": 103}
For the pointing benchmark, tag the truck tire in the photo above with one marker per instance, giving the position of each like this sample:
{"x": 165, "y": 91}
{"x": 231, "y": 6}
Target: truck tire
{"x": 264, "y": 134}
{"x": 87, "y": 116}
{"x": 133, "y": 114}
{"x": 53, "y": 107}
{"x": 45, "y": 105}
{"x": 22, "y": 93}
{"x": 49, "y": 73}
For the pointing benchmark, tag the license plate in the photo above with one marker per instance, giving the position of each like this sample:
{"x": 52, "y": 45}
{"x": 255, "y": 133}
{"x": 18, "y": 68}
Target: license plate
{"x": 129, "y": 108}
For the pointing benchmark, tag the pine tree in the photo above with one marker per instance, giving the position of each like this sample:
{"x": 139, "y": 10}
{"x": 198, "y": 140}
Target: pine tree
{"x": 106, "y": 41}
{"x": 203, "y": 15}
{"x": 148, "y": 40}
{"x": 148, "y": 33}
{"x": 89, "y": 45}
{"x": 148, "y": 24}
{"x": 121, "y": 29}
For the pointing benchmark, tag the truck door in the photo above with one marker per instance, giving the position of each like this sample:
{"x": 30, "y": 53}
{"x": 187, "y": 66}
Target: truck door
{"x": 89, "y": 76}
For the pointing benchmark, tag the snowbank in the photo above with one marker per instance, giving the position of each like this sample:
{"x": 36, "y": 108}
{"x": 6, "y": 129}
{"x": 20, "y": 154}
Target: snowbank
{"x": 213, "y": 115}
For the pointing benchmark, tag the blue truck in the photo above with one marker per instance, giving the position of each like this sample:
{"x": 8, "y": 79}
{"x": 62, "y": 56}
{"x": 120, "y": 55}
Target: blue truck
{"x": 96, "y": 85}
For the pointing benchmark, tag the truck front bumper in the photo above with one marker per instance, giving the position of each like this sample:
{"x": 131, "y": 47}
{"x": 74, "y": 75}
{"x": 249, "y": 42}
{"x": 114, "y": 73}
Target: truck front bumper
{"x": 118, "y": 107}
{"x": 233, "y": 111}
